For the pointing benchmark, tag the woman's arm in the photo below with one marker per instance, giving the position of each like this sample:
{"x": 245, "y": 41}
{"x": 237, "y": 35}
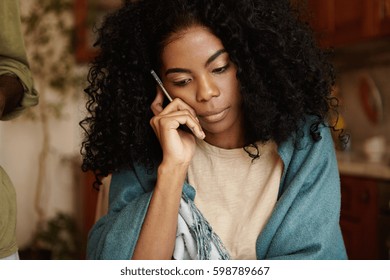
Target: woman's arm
{"x": 158, "y": 233}
{"x": 117, "y": 234}
{"x": 16, "y": 89}
{"x": 143, "y": 211}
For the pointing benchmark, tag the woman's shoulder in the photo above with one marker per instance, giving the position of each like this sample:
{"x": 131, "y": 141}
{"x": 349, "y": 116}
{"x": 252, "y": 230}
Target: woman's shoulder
{"x": 136, "y": 175}
{"x": 312, "y": 138}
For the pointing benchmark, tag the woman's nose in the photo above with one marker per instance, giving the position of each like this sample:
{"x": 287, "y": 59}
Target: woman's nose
{"x": 207, "y": 89}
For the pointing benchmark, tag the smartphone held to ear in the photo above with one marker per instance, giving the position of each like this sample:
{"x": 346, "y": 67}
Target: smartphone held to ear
{"x": 159, "y": 82}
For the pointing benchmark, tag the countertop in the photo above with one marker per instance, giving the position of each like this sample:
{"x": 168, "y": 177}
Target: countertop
{"x": 351, "y": 164}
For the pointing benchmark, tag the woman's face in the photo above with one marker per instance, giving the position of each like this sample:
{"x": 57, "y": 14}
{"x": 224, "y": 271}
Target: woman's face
{"x": 197, "y": 69}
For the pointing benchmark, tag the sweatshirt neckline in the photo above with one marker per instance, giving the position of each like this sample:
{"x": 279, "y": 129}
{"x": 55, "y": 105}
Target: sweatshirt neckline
{"x": 222, "y": 152}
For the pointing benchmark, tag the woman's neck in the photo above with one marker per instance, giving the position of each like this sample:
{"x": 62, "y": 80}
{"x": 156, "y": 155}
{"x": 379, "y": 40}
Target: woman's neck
{"x": 234, "y": 138}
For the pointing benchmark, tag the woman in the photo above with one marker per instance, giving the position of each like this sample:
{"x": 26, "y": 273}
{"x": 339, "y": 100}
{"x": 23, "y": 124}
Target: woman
{"x": 240, "y": 165}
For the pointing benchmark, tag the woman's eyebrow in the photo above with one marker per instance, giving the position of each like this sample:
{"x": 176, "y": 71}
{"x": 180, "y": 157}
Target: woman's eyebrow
{"x": 214, "y": 56}
{"x": 209, "y": 60}
{"x": 177, "y": 70}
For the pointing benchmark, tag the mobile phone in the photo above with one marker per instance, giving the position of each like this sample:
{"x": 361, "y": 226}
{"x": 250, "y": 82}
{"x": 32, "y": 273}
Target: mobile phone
{"x": 159, "y": 82}
{"x": 161, "y": 85}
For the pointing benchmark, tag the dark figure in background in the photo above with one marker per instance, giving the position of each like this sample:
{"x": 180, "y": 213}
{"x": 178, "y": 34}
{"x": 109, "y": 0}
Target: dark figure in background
{"x": 16, "y": 93}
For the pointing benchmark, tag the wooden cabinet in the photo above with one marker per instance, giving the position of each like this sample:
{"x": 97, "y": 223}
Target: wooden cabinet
{"x": 363, "y": 223}
{"x": 358, "y": 217}
{"x": 384, "y": 16}
{"x": 345, "y": 22}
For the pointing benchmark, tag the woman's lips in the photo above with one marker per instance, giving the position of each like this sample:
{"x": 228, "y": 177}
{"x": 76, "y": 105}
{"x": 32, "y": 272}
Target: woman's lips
{"x": 214, "y": 116}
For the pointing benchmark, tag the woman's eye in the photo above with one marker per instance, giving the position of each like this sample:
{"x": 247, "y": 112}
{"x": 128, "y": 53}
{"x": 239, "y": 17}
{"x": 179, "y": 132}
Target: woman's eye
{"x": 220, "y": 70}
{"x": 182, "y": 83}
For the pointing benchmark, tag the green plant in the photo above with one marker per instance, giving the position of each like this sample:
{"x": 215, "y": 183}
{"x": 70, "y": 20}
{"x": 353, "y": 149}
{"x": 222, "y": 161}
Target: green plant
{"x": 61, "y": 237}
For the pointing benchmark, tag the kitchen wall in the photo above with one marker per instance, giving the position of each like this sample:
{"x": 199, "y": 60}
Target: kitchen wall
{"x": 373, "y": 59}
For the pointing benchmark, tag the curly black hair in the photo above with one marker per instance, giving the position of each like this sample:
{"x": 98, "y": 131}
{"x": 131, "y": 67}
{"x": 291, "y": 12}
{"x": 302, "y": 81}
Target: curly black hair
{"x": 284, "y": 76}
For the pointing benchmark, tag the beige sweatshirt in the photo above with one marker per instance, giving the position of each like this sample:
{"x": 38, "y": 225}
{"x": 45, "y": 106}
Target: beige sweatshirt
{"x": 235, "y": 194}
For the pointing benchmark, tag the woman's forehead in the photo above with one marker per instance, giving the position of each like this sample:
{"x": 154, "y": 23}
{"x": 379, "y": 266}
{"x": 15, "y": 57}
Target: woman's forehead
{"x": 194, "y": 42}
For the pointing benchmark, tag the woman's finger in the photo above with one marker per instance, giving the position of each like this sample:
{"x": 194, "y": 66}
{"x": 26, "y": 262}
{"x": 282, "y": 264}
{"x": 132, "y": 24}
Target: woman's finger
{"x": 157, "y": 104}
{"x": 180, "y": 105}
{"x": 176, "y": 105}
{"x": 175, "y": 119}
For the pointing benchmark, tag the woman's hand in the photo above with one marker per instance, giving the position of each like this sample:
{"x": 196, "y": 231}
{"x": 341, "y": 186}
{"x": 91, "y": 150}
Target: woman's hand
{"x": 158, "y": 232}
{"x": 178, "y": 145}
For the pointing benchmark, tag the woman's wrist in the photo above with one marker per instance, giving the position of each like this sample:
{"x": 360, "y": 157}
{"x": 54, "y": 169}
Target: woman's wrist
{"x": 11, "y": 92}
{"x": 171, "y": 175}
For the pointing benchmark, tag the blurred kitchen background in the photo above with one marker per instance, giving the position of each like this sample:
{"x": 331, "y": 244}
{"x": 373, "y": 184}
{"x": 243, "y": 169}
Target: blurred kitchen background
{"x": 40, "y": 150}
